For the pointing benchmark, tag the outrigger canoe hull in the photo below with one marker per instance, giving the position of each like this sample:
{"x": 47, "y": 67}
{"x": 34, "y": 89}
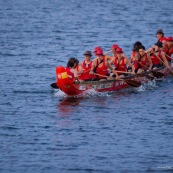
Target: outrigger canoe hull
{"x": 73, "y": 89}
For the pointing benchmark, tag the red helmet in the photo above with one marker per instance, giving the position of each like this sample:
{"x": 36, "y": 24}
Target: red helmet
{"x": 170, "y": 39}
{"x": 115, "y": 46}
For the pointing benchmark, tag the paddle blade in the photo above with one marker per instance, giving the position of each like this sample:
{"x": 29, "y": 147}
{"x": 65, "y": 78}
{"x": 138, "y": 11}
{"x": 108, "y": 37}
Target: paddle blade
{"x": 147, "y": 76}
{"x": 133, "y": 83}
{"x": 54, "y": 85}
{"x": 158, "y": 74}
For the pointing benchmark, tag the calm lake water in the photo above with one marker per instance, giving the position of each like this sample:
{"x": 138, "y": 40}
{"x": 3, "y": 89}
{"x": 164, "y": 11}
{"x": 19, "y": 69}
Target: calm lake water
{"x": 42, "y": 130}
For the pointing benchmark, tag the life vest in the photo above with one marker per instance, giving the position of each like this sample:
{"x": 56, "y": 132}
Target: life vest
{"x": 133, "y": 54}
{"x": 169, "y": 51}
{"x": 162, "y": 39}
{"x": 101, "y": 69}
{"x": 154, "y": 58}
{"x": 86, "y": 70}
{"x": 122, "y": 66}
{"x": 143, "y": 61}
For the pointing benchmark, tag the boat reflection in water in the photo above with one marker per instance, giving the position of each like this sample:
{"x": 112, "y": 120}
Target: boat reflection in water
{"x": 66, "y": 106}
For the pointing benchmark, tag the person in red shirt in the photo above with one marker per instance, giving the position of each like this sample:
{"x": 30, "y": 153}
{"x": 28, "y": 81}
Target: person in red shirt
{"x": 100, "y": 66}
{"x": 169, "y": 48}
{"x": 143, "y": 61}
{"x": 160, "y": 37}
{"x": 135, "y": 51}
{"x": 85, "y": 67}
{"x": 71, "y": 69}
{"x": 158, "y": 56}
{"x": 120, "y": 62}
{"x": 108, "y": 58}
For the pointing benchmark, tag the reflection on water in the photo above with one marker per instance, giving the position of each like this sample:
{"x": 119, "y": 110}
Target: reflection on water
{"x": 67, "y": 105}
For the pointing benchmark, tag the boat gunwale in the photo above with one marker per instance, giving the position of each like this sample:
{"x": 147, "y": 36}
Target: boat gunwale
{"x": 132, "y": 76}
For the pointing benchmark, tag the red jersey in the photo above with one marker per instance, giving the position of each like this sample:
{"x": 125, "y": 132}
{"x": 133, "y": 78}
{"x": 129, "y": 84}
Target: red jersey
{"x": 142, "y": 62}
{"x": 122, "y": 66}
{"x": 70, "y": 74}
{"x": 169, "y": 51}
{"x": 162, "y": 39}
{"x": 103, "y": 70}
{"x": 86, "y": 70}
{"x": 154, "y": 58}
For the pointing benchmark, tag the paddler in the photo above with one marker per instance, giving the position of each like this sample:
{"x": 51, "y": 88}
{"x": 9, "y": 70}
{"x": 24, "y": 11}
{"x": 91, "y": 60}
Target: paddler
{"x": 120, "y": 61}
{"x": 108, "y": 58}
{"x": 160, "y": 37}
{"x": 142, "y": 61}
{"x": 101, "y": 65}
{"x": 169, "y": 48}
{"x": 86, "y": 67}
{"x": 71, "y": 69}
{"x": 135, "y": 51}
{"x": 158, "y": 56}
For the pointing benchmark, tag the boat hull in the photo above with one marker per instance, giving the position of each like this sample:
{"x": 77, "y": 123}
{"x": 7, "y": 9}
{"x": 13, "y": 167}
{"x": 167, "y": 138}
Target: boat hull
{"x": 73, "y": 89}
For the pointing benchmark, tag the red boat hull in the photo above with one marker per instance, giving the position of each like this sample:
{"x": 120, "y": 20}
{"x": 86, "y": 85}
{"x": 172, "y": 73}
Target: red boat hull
{"x": 73, "y": 89}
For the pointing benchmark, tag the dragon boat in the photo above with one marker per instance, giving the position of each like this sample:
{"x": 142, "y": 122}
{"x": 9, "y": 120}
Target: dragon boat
{"x": 64, "y": 83}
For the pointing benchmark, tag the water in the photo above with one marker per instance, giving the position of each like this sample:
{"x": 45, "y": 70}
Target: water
{"x": 44, "y": 131}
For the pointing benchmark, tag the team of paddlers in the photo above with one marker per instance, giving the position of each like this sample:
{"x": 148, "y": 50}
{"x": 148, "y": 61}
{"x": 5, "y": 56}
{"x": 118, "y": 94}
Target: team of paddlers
{"x": 118, "y": 65}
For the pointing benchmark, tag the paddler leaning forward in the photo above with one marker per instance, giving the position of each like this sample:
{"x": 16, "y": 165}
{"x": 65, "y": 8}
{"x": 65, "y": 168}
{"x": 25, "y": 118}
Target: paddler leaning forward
{"x": 100, "y": 66}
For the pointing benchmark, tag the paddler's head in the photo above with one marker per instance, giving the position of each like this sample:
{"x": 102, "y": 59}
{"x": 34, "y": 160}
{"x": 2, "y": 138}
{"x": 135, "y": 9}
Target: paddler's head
{"x": 72, "y": 63}
{"x": 119, "y": 51}
{"x": 170, "y": 40}
{"x": 158, "y": 46}
{"x": 159, "y": 33}
{"x": 99, "y": 53}
{"x": 141, "y": 50}
{"x": 96, "y": 49}
{"x": 136, "y": 45}
{"x": 87, "y": 55}
{"x": 114, "y": 48}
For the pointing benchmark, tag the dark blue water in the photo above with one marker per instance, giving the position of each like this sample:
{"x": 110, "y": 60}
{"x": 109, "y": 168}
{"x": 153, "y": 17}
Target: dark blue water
{"x": 42, "y": 130}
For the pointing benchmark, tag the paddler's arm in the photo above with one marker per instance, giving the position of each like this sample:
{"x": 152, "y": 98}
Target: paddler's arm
{"x": 110, "y": 67}
{"x": 74, "y": 71}
{"x": 130, "y": 65}
{"x": 164, "y": 59}
{"x": 79, "y": 69}
{"x": 150, "y": 62}
{"x": 108, "y": 58}
{"x": 92, "y": 68}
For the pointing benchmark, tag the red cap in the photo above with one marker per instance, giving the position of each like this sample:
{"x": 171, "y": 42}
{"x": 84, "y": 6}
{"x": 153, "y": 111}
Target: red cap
{"x": 119, "y": 50}
{"x": 97, "y": 48}
{"x": 99, "y": 52}
{"x": 170, "y": 39}
{"x": 114, "y": 46}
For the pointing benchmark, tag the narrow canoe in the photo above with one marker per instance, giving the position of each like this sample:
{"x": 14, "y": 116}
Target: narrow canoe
{"x": 73, "y": 89}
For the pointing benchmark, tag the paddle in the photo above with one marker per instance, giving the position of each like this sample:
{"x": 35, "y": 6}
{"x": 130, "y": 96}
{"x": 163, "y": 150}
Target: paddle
{"x": 169, "y": 56}
{"x": 157, "y": 74}
{"x": 138, "y": 74}
{"x": 108, "y": 52}
{"x": 164, "y": 63}
{"x": 130, "y": 82}
{"x": 54, "y": 85}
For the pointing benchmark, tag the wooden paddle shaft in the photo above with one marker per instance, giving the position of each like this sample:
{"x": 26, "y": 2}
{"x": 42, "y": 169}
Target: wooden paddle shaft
{"x": 164, "y": 63}
{"x": 108, "y": 52}
{"x": 124, "y": 72}
{"x": 130, "y": 82}
{"x": 168, "y": 56}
